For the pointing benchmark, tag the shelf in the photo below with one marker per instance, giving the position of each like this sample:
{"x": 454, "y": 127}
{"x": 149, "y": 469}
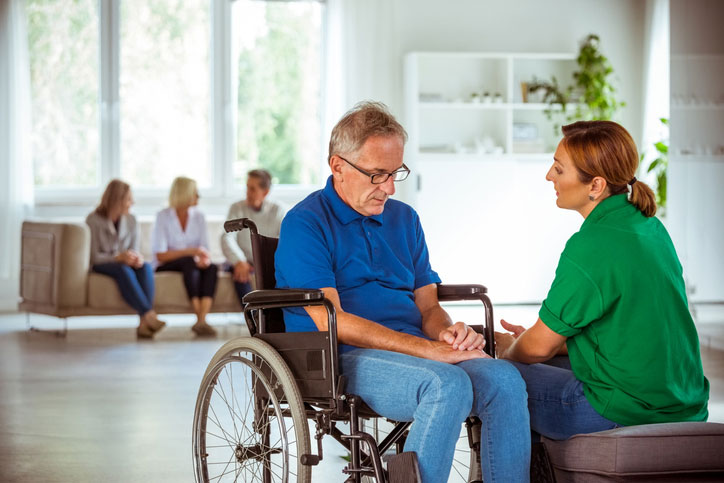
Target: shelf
{"x": 464, "y": 105}
{"x": 440, "y": 113}
{"x": 522, "y": 106}
{"x": 697, "y": 107}
{"x": 474, "y": 157}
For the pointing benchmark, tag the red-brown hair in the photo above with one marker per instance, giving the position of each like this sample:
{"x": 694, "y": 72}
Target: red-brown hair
{"x": 607, "y": 150}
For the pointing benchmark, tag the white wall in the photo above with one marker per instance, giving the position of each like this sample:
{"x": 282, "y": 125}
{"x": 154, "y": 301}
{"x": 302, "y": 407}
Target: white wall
{"x": 519, "y": 26}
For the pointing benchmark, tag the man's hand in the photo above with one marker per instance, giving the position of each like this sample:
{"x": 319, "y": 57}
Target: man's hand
{"x": 461, "y": 337}
{"x": 242, "y": 270}
{"x": 443, "y": 352}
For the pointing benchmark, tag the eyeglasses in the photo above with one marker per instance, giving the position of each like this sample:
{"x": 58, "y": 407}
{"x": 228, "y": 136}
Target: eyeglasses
{"x": 379, "y": 178}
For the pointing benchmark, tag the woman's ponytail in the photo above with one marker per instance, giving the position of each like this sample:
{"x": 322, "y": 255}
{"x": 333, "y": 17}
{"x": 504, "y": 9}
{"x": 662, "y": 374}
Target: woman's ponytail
{"x": 643, "y": 198}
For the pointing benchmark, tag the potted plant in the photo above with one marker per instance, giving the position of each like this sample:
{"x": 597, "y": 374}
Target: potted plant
{"x": 659, "y": 168}
{"x": 592, "y": 90}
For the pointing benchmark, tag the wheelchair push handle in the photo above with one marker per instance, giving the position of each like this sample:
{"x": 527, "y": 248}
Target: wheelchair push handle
{"x": 239, "y": 224}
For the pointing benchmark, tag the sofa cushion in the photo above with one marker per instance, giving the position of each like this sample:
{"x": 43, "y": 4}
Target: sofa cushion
{"x": 642, "y": 450}
{"x": 103, "y": 294}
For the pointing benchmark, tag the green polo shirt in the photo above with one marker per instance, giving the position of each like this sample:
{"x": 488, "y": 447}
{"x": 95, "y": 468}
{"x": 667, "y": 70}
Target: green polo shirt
{"x": 619, "y": 297}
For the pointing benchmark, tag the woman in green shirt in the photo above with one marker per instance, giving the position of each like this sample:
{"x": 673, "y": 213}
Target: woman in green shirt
{"x": 617, "y": 305}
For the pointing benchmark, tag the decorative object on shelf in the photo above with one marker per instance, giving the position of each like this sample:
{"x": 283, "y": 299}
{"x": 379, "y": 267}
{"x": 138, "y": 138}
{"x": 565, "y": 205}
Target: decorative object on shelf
{"x": 525, "y": 131}
{"x": 486, "y": 97}
{"x": 431, "y": 97}
{"x": 474, "y": 97}
{"x": 498, "y": 98}
{"x": 592, "y": 91}
{"x": 659, "y": 167}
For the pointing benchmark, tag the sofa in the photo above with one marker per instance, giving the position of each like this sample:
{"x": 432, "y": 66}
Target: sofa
{"x": 55, "y": 277}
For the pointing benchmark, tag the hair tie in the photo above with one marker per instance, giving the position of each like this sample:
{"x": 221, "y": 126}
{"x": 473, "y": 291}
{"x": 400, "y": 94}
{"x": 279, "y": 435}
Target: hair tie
{"x": 633, "y": 180}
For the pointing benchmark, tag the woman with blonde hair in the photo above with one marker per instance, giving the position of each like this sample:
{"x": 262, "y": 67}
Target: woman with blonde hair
{"x": 114, "y": 252}
{"x": 180, "y": 244}
{"x": 617, "y": 305}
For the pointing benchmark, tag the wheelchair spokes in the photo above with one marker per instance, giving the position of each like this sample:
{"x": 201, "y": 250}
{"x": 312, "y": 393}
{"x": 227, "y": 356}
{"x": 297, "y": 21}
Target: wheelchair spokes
{"x": 249, "y": 425}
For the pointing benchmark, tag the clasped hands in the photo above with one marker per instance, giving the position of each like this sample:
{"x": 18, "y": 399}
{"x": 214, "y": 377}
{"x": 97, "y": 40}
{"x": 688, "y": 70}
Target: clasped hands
{"x": 201, "y": 257}
{"x": 460, "y": 343}
{"x": 131, "y": 258}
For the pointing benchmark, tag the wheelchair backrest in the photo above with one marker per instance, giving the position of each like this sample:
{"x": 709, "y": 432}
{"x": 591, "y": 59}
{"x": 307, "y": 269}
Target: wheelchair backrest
{"x": 264, "y": 248}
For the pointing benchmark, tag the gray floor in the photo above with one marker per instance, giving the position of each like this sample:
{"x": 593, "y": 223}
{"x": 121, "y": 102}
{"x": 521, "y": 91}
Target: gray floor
{"x": 98, "y": 405}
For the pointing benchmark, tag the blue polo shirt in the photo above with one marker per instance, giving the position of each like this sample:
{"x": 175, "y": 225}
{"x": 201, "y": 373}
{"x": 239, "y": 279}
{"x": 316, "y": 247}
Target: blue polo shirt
{"x": 374, "y": 262}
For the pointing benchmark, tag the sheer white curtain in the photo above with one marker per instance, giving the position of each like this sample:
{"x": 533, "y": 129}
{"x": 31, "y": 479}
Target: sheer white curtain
{"x": 16, "y": 164}
{"x": 656, "y": 76}
{"x": 360, "y": 58}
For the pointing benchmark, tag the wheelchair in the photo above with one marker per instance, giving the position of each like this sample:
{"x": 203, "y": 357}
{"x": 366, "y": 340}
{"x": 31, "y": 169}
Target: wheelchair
{"x": 260, "y": 393}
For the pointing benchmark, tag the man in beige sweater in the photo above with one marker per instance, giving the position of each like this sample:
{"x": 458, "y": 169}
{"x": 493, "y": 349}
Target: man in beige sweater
{"x": 267, "y": 216}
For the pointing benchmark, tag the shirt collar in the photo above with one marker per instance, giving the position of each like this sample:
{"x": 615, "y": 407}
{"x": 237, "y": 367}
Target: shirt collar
{"x": 609, "y": 205}
{"x": 342, "y": 211}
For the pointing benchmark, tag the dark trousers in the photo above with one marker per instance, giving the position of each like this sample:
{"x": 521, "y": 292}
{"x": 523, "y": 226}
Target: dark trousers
{"x": 199, "y": 282}
{"x": 242, "y": 288}
{"x": 135, "y": 284}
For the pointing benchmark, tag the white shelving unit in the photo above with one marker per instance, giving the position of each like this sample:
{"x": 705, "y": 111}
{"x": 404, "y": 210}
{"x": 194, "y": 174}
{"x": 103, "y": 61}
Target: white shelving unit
{"x": 696, "y": 156}
{"x": 481, "y": 193}
{"x": 472, "y": 103}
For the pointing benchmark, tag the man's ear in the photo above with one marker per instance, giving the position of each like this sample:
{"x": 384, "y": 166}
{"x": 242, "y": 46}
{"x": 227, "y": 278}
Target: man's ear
{"x": 598, "y": 187}
{"x": 335, "y": 164}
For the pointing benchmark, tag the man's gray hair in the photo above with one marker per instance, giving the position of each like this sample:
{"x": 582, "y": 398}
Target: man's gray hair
{"x": 363, "y": 121}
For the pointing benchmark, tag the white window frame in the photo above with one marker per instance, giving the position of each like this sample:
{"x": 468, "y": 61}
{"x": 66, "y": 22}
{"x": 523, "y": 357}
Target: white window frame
{"x": 75, "y": 201}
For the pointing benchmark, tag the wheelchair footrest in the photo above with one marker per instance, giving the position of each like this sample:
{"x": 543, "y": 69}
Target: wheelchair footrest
{"x": 403, "y": 468}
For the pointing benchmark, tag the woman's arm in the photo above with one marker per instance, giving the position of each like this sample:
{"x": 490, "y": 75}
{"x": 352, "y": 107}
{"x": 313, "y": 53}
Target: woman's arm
{"x": 537, "y": 344}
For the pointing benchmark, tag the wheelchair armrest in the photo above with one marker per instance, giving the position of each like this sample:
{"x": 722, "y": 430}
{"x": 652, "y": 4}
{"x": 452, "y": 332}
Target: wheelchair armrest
{"x": 447, "y": 292}
{"x": 282, "y": 296}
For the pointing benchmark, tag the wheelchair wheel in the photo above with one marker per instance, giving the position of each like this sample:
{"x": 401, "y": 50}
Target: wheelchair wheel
{"x": 249, "y": 423}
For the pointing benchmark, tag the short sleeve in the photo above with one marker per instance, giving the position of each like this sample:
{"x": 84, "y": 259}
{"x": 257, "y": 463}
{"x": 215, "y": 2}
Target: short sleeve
{"x": 573, "y": 301}
{"x": 424, "y": 274}
{"x": 303, "y": 258}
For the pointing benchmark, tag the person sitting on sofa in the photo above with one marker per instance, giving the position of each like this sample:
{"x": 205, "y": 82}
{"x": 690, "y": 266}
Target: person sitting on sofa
{"x": 617, "y": 304}
{"x": 180, "y": 243}
{"x": 267, "y": 216}
{"x": 114, "y": 252}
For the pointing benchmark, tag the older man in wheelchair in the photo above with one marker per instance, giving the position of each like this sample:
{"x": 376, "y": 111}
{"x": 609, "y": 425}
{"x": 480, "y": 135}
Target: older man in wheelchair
{"x": 358, "y": 265}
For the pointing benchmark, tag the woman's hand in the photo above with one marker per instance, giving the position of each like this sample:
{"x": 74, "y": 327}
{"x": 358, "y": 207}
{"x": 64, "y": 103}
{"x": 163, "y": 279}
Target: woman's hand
{"x": 461, "y": 337}
{"x": 201, "y": 257}
{"x": 503, "y": 341}
{"x": 131, "y": 258}
{"x": 515, "y": 329}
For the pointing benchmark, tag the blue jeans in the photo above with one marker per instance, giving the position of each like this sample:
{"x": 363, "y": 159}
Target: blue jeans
{"x": 135, "y": 284}
{"x": 556, "y": 401}
{"x": 438, "y": 397}
{"x": 242, "y": 288}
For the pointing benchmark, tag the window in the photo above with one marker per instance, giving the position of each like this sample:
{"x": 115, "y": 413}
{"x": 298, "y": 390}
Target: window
{"x": 165, "y": 101}
{"x": 278, "y": 72}
{"x": 147, "y": 91}
{"x": 63, "y": 40}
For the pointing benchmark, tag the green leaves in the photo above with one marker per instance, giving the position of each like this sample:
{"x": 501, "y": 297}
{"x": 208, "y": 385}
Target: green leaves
{"x": 593, "y": 90}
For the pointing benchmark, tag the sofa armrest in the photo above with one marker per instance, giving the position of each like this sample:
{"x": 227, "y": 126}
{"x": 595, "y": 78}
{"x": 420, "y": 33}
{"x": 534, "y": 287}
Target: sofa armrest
{"x": 54, "y": 265}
